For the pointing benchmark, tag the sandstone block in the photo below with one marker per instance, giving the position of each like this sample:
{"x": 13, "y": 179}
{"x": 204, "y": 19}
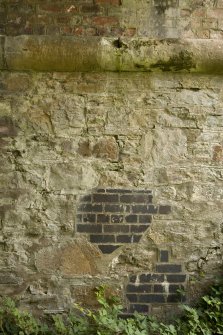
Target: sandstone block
{"x": 69, "y": 259}
{"x": 107, "y": 148}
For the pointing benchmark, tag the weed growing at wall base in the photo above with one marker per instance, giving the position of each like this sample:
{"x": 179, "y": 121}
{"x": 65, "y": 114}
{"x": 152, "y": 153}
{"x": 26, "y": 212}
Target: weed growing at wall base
{"x": 206, "y": 319}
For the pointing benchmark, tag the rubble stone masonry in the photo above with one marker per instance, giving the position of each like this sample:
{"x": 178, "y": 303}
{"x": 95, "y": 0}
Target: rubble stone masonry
{"x": 111, "y": 165}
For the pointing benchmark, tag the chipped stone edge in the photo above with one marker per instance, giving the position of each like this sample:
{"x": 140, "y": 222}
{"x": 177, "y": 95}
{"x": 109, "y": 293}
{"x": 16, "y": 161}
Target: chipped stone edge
{"x": 89, "y": 54}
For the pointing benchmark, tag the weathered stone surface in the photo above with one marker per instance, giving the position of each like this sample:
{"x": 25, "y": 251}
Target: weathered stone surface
{"x": 78, "y": 132}
{"x": 9, "y": 279}
{"x": 131, "y": 99}
{"x": 51, "y": 53}
{"x": 47, "y": 53}
{"x": 106, "y": 148}
{"x": 68, "y": 259}
{"x": 7, "y": 128}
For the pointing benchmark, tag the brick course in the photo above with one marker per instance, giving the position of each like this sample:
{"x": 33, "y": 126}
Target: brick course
{"x": 168, "y": 19}
{"x": 146, "y": 289}
{"x": 119, "y": 216}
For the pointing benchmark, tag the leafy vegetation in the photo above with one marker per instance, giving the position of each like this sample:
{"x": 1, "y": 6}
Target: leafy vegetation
{"x": 206, "y": 319}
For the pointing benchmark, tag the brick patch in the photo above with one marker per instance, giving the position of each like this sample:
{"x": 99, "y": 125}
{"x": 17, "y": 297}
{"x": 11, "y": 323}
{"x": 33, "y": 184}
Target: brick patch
{"x": 146, "y": 289}
{"x": 113, "y": 217}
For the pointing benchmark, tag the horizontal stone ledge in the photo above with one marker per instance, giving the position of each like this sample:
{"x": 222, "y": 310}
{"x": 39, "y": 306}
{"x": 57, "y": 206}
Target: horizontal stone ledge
{"x": 70, "y": 54}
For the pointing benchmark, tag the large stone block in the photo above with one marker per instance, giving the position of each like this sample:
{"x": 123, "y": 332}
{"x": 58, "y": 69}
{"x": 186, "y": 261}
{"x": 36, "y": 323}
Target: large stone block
{"x": 67, "y": 53}
{"x": 69, "y": 259}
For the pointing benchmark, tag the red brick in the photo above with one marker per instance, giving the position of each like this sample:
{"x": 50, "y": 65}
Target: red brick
{"x": 82, "y": 31}
{"x": 90, "y": 9}
{"x": 109, "y": 2}
{"x": 78, "y": 31}
{"x": 71, "y": 9}
{"x": 52, "y": 8}
{"x": 105, "y": 21}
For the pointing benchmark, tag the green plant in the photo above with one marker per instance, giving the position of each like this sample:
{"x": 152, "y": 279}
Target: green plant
{"x": 109, "y": 321}
{"x": 104, "y": 321}
{"x": 205, "y": 319}
{"x": 13, "y": 321}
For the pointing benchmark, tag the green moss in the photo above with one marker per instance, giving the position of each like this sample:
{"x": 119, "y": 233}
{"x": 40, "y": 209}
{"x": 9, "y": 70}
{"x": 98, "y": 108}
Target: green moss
{"x": 180, "y": 62}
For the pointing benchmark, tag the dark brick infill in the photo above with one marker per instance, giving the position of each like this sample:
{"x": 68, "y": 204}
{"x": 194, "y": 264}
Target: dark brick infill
{"x": 136, "y": 198}
{"x": 115, "y": 208}
{"x": 117, "y": 218}
{"x": 89, "y": 218}
{"x": 138, "y": 229}
{"x": 124, "y": 214}
{"x": 112, "y": 228}
{"x": 164, "y": 256}
{"x": 151, "y": 298}
{"x": 86, "y": 198}
{"x": 143, "y": 209}
{"x": 144, "y": 278}
{"x": 131, "y": 218}
{"x": 147, "y": 289}
{"x": 176, "y": 298}
{"x": 98, "y": 198}
{"x": 102, "y": 239}
{"x": 128, "y": 238}
{"x": 176, "y": 278}
{"x": 175, "y": 288}
{"x": 103, "y": 218}
{"x": 89, "y": 228}
{"x": 145, "y": 219}
{"x": 164, "y": 209}
{"x": 159, "y": 289}
{"x": 138, "y": 308}
{"x": 107, "y": 248}
{"x": 89, "y": 208}
{"x": 168, "y": 268}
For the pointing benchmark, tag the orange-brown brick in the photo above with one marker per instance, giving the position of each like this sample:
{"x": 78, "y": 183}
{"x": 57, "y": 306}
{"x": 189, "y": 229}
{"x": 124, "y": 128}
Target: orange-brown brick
{"x": 105, "y": 20}
{"x": 110, "y": 2}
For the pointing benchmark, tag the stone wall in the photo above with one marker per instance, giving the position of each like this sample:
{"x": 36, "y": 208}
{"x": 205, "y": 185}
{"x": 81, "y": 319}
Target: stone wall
{"x": 77, "y": 145}
{"x": 110, "y": 174}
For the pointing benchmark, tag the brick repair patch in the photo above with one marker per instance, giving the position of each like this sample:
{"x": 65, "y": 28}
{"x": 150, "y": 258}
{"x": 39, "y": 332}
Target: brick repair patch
{"x": 113, "y": 217}
{"x": 166, "y": 285}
